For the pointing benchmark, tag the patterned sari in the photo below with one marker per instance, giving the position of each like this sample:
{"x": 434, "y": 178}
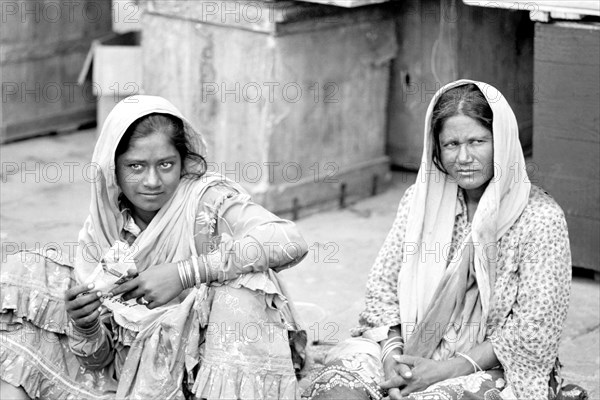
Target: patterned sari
{"x": 225, "y": 338}
{"x": 352, "y": 371}
{"x": 502, "y": 278}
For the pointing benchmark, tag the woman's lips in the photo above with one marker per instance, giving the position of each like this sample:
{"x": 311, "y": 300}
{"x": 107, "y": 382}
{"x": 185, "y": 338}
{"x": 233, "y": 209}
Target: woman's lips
{"x": 151, "y": 195}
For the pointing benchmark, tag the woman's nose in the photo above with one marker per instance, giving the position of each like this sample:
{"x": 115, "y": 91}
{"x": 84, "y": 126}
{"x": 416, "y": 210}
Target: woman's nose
{"x": 464, "y": 156}
{"x": 151, "y": 178}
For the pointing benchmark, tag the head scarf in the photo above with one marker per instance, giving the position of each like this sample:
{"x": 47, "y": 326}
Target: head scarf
{"x": 441, "y": 300}
{"x": 168, "y": 237}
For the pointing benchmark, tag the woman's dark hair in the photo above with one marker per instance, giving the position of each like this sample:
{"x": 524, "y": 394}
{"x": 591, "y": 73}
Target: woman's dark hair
{"x": 465, "y": 100}
{"x": 193, "y": 164}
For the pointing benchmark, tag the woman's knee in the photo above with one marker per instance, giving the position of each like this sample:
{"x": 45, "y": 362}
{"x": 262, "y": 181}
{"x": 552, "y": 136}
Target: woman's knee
{"x": 245, "y": 314}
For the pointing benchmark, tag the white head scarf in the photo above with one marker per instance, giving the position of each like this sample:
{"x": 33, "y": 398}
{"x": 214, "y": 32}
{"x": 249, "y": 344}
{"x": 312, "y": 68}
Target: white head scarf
{"x": 430, "y": 224}
{"x": 170, "y": 235}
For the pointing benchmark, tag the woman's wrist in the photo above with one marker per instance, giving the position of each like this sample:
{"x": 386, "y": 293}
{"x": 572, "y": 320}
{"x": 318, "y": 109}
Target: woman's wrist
{"x": 87, "y": 331}
{"x": 196, "y": 269}
{"x": 393, "y": 345}
{"x": 186, "y": 273}
{"x": 192, "y": 272}
{"x": 457, "y": 366}
{"x": 391, "y": 348}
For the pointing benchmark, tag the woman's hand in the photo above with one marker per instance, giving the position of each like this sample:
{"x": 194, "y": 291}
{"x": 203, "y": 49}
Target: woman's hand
{"x": 83, "y": 305}
{"x": 425, "y": 372}
{"x": 154, "y": 287}
{"x": 397, "y": 374}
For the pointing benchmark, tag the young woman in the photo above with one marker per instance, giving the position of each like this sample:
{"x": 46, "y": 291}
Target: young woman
{"x": 174, "y": 292}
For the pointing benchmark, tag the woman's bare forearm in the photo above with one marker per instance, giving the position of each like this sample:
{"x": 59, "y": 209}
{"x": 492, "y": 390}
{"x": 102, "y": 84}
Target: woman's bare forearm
{"x": 482, "y": 355}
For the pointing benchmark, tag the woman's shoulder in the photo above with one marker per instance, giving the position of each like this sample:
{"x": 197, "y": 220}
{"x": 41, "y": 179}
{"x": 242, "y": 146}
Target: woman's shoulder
{"x": 403, "y": 208}
{"x": 541, "y": 203}
{"x": 542, "y": 209}
{"x": 217, "y": 189}
{"x": 408, "y": 195}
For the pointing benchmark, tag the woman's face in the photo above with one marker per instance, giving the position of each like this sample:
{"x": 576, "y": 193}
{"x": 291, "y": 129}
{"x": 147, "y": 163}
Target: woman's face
{"x": 148, "y": 173}
{"x": 467, "y": 152}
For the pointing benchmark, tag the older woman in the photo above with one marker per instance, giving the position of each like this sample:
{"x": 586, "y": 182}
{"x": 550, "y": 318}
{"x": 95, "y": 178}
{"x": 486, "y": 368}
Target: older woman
{"x": 174, "y": 292}
{"x": 469, "y": 293}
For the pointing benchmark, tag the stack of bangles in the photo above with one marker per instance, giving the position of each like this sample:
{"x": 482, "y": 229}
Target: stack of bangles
{"x": 476, "y": 366}
{"x": 392, "y": 344}
{"x": 189, "y": 273}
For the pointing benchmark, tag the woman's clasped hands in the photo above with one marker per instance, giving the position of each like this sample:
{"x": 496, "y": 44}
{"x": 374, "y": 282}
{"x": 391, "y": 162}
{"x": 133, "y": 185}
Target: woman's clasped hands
{"x": 408, "y": 374}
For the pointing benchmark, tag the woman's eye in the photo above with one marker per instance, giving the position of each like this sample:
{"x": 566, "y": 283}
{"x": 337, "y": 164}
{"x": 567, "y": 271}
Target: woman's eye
{"x": 166, "y": 165}
{"x": 450, "y": 145}
{"x": 135, "y": 167}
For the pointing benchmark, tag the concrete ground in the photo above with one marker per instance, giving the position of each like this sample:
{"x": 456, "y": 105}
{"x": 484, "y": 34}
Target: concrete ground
{"x": 45, "y": 195}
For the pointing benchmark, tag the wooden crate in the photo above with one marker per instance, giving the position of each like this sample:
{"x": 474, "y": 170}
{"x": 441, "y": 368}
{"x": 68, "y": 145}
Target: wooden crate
{"x": 293, "y": 104}
{"x": 442, "y": 41}
{"x": 43, "y": 46}
{"x": 114, "y": 67}
{"x": 544, "y": 11}
{"x": 566, "y": 146}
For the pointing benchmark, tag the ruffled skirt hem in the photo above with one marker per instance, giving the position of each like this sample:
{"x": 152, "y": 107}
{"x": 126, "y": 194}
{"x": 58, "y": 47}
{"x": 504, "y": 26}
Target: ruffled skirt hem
{"x": 219, "y": 382}
{"x": 33, "y": 290}
{"x": 35, "y": 353}
{"x": 39, "y": 362}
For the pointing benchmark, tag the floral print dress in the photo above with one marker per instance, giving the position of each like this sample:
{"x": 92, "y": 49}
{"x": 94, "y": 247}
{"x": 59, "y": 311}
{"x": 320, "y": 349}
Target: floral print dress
{"x": 532, "y": 290}
{"x": 229, "y": 338}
